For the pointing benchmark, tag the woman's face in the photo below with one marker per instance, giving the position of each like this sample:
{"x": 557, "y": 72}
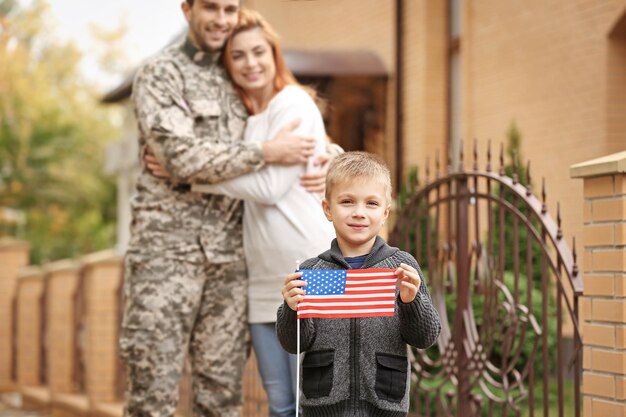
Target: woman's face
{"x": 253, "y": 67}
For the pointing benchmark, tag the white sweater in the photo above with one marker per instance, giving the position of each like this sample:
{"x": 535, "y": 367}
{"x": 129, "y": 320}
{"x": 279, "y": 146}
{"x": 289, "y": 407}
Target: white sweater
{"x": 282, "y": 223}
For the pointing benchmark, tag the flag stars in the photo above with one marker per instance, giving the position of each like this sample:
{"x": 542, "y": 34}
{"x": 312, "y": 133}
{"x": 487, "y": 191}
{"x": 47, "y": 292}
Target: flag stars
{"x": 325, "y": 282}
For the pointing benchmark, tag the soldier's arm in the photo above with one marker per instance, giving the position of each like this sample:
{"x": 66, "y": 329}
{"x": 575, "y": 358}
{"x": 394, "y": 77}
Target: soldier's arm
{"x": 270, "y": 184}
{"x": 167, "y": 123}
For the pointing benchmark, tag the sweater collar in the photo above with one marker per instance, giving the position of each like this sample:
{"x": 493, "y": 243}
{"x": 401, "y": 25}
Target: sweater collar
{"x": 381, "y": 250}
{"x": 199, "y": 56}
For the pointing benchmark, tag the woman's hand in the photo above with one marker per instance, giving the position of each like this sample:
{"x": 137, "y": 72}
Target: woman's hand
{"x": 292, "y": 291}
{"x": 409, "y": 282}
{"x": 153, "y": 165}
{"x": 315, "y": 182}
{"x": 287, "y": 148}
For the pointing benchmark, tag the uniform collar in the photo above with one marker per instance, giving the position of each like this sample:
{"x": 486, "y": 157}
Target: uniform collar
{"x": 199, "y": 56}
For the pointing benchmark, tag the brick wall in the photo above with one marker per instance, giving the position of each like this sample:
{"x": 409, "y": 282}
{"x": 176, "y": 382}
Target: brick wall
{"x": 62, "y": 282}
{"x": 557, "y": 68}
{"x": 544, "y": 66}
{"x": 425, "y": 82}
{"x": 103, "y": 275}
{"x": 30, "y": 290}
{"x": 342, "y": 25}
{"x": 603, "y": 308}
{"x": 13, "y": 256}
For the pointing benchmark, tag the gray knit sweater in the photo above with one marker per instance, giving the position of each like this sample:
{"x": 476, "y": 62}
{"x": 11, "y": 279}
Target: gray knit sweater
{"x": 359, "y": 367}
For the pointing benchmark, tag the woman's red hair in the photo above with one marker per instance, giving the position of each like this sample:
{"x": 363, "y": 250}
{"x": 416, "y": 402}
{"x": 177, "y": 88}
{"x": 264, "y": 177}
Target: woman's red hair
{"x": 248, "y": 20}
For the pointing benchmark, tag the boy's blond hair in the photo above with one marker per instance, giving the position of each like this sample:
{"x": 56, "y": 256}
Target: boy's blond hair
{"x": 358, "y": 165}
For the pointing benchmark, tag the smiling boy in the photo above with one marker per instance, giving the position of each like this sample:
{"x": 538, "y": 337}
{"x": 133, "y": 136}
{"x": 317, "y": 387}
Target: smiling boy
{"x": 359, "y": 366}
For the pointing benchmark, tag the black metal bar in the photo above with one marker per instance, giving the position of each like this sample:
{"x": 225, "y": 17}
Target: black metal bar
{"x": 559, "y": 342}
{"x": 578, "y": 365}
{"x": 120, "y": 372}
{"x": 529, "y": 303}
{"x": 544, "y": 312}
{"x": 43, "y": 328}
{"x": 78, "y": 363}
{"x": 515, "y": 256}
{"x": 463, "y": 294}
{"x": 14, "y": 331}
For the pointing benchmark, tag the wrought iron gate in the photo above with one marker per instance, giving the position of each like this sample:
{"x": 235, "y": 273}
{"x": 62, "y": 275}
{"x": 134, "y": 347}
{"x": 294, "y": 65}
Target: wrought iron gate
{"x": 506, "y": 287}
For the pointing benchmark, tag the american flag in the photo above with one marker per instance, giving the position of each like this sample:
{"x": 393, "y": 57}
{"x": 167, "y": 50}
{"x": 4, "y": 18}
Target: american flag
{"x": 348, "y": 294}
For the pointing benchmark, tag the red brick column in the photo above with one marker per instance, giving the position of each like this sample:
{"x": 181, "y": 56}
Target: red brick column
{"x": 603, "y": 307}
{"x": 13, "y": 256}
{"x": 103, "y": 275}
{"x": 29, "y": 337}
{"x": 62, "y": 282}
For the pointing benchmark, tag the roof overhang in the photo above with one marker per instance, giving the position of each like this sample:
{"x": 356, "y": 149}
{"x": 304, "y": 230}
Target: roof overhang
{"x": 334, "y": 63}
{"x": 303, "y": 63}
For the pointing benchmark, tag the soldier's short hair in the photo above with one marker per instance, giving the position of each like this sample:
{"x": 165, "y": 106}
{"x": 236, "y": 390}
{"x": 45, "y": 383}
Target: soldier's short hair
{"x": 190, "y": 2}
{"x": 358, "y": 165}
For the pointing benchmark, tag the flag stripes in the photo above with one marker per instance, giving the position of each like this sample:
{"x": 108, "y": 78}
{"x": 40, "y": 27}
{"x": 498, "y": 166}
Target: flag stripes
{"x": 348, "y": 294}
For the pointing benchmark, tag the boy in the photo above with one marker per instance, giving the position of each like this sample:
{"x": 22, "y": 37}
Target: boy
{"x": 359, "y": 366}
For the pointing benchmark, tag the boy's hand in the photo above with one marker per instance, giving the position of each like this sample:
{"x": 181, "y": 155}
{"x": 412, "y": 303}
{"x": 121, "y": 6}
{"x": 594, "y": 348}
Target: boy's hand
{"x": 292, "y": 293}
{"x": 409, "y": 282}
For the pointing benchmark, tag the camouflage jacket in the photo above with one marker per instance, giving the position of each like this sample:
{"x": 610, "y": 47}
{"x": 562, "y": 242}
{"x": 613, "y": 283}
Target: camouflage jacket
{"x": 191, "y": 117}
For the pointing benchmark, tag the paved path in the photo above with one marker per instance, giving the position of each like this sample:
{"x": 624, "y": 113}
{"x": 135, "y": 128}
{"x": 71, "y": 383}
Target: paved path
{"x": 9, "y": 407}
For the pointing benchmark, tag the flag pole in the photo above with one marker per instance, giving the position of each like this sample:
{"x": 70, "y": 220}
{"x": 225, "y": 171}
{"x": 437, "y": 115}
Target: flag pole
{"x": 297, "y": 356}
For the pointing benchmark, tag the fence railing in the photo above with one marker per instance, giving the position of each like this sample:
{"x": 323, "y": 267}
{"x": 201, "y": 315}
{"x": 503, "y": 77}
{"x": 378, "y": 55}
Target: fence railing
{"x": 62, "y": 337}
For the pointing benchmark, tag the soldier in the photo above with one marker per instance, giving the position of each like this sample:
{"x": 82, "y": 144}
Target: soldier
{"x": 184, "y": 266}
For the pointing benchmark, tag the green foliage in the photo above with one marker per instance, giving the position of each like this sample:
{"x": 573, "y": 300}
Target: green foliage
{"x": 404, "y": 198}
{"x": 408, "y": 189}
{"x": 528, "y": 285}
{"x": 513, "y": 167}
{"x": 6, "y": 6}
{"x": 52, "y": 138}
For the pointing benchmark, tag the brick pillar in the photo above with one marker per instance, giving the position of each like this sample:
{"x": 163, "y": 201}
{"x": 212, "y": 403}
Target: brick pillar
{"x": 29, "y": 338}
{"x": 13, "y": 256}
{"x": 603, "y": 307}
{"x": 103, "y": 275}
{"x": 62, "y": 282}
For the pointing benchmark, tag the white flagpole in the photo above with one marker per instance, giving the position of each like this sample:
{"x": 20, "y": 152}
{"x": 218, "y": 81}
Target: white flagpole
{"x": 297, "y": 356}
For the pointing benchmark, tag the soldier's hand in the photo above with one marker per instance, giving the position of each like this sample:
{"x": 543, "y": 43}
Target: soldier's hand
{"x": 287, "y": 148}
{"x": 315, "y": 182}
{"x": 153, "y": 165}
{"x": 292, "y": 290}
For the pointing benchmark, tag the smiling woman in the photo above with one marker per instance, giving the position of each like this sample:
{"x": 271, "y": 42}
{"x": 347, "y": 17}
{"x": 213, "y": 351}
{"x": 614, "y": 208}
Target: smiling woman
{"x": 252, "y": 68}
{"x": 255, "y": 62}
{"x": 282, "y": 222}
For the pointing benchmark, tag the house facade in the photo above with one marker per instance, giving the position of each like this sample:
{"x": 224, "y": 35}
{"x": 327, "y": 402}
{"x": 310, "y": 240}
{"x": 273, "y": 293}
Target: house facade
{"x": 441, "y": 75}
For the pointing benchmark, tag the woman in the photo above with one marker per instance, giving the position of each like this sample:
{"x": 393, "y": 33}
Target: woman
{"x": 283, "y": 223}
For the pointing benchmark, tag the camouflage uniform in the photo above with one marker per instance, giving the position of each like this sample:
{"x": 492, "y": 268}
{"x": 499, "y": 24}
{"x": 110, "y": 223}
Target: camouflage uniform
{"x": 186, "y": 282}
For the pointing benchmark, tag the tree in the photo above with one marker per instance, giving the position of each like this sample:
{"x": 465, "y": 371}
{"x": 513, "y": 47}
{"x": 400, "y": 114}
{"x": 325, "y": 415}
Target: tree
{"x": 52, "y": 138}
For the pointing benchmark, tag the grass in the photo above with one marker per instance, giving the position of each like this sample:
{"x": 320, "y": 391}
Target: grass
{"x": 553, "y": 406}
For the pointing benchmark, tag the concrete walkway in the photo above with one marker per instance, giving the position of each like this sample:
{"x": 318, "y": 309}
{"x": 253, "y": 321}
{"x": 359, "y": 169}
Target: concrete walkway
{"x": 9, "y": 407}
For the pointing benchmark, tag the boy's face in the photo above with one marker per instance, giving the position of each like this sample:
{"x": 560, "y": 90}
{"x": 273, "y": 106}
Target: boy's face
{"x": 211, "y": 22}
{"x": 358, "y": 209}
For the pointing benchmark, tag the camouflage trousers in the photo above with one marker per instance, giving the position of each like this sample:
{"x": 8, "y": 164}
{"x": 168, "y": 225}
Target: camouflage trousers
{"x": 173, "y": 307}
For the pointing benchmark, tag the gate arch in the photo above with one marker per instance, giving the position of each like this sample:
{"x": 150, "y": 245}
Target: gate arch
{"x": 506, "y": 286}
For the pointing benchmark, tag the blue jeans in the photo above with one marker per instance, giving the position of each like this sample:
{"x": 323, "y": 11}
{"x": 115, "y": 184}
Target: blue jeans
{"x": 277, "y": 368}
